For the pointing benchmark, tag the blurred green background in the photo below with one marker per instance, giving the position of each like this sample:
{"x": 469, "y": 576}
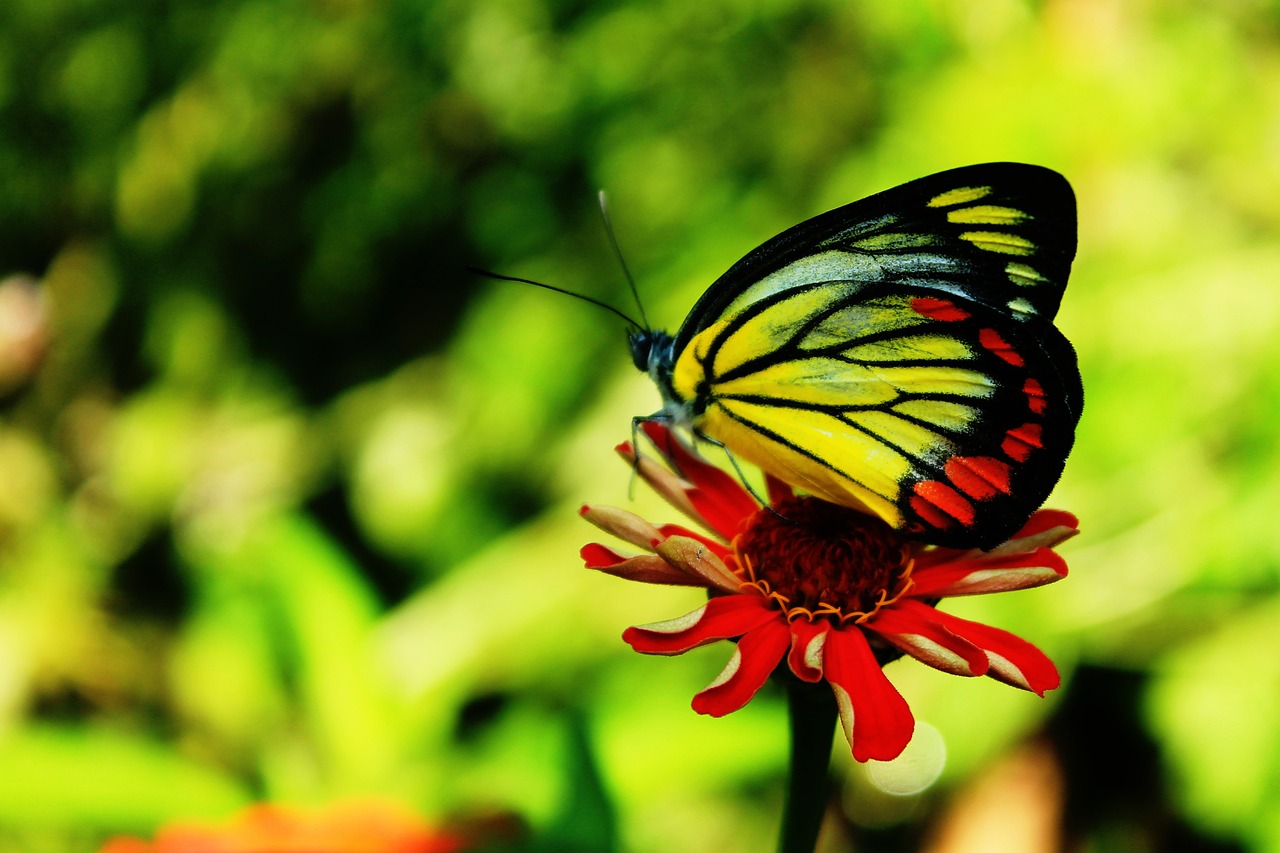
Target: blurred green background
{"x": 288, "y": 499}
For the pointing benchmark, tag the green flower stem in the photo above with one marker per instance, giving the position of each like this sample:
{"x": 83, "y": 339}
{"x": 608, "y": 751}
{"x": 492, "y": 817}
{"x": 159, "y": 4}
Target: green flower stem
{"x": 812, "y": 711}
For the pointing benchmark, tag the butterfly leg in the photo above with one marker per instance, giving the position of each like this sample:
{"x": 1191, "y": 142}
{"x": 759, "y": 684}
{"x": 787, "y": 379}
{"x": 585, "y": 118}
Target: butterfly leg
{"x": 661, "y": 417}
{"x": 698, "y": 435}
{"x": 733, "y": 460}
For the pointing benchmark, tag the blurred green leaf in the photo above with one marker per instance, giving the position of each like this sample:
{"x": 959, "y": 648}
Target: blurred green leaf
{"x": 320, "y": 614}
{"x": 1213, "y": 704}
{"x": 586, "y": 819}
{"x": 92, "y": 777}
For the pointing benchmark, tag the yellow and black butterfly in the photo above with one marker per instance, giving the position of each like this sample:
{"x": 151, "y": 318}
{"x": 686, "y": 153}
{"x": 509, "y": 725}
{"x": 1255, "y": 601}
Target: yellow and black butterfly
{"x": 897, "y": 354}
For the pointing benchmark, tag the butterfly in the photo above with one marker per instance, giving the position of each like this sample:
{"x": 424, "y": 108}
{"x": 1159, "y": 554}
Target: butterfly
{"x": 896, "y": 355}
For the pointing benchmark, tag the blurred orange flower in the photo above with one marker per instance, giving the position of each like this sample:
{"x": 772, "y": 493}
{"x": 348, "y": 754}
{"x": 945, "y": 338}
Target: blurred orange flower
{"x": 358, "y": 827}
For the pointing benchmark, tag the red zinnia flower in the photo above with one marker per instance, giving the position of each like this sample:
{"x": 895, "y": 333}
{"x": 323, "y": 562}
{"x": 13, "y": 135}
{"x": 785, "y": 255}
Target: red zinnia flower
{"x": 836, "y": 592}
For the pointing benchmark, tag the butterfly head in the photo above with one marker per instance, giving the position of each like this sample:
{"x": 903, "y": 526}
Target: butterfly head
{"x": 653, "y": 352}
{"x": 649, "y": 348}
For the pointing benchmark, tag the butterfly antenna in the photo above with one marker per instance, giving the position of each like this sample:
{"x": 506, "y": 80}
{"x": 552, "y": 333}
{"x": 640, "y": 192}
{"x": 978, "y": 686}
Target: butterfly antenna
{"x": 617, "y": 251}
{"x": 552, "y": 287}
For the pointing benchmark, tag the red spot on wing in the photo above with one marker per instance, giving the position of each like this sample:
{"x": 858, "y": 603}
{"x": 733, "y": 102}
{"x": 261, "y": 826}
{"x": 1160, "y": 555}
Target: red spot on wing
{"x": 940, "y": 505}
{"x": 990, "y": 339}
{"x": 1035, "y": 396}
{"x": 935, "y": 517}
{"x": 979, "y": 477}
{"x": 1019, "y": 443}
{"x": 938, "y": 309}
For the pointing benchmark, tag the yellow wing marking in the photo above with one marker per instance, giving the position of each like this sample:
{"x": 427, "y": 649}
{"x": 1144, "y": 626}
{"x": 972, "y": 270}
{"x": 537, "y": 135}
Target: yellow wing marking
{"x": 999, "y": 241}
{"x": 771, "y": 326}
{"x": 1023, "y": 275}
{"x": 802, "y": 472}
{"x": 774, "y": 325}
{"x": 852, "y": 463}
{"x": 895, "y": 240}
{"x": 959, "y": 195}
{"x": 917, "y": 440}
{"x": 828, "y": 382}
{"x": 689, "y": 371}
{"x": 816, "y": 381}
{"x": 1021, "y": 306}
{"x": 934, "y": 347}
{"x": 955, "y": 417}
{"x": 937, "y": 379}
{"x": 871, "y": 317}
{"x": 829, "y": 266}
{"x": 986, "y": 214}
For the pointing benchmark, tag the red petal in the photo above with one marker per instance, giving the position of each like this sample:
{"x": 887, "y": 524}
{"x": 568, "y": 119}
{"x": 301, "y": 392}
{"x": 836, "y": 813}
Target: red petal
{"x": 755, "y": 657}
{"x": 597, "y": 556}
{"x": 719, "y": 498}
{"x": 724, "y": 509}
{"x": 938, "y": 555}
{"x": 1050, "y": 538}
{"x": 692, "y": 467}
{"x": 627, "y": 526}
{"x": 777, "y": 490}
{"x": 875, "y": 717}
{"x": 983, "y": 574}
{"x": 1046, "y": 519}
{"x": 717, "y": 548}
{"x": 910, "y": 626}
{"x": 719, "y": 619}
{"x": 807, "y": 640}
{"x": 1013, "y": 660}
{"x": 1046, "y": 528}
{"x": 700, "y": 563}
{"x": 645, "y": 568}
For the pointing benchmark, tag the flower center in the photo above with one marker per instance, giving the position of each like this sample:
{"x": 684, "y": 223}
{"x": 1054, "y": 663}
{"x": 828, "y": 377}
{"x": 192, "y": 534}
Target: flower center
{"x": 818, "y": 559}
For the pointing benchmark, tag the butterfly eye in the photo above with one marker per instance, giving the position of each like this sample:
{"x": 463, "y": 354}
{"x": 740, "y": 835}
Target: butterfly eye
{"x": 641, "y": 343}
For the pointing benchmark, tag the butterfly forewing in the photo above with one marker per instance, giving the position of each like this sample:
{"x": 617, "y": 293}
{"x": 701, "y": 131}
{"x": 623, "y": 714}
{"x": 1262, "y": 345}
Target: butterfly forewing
{"x": 1002, "y": 234}
{"x": 898, "y": 354}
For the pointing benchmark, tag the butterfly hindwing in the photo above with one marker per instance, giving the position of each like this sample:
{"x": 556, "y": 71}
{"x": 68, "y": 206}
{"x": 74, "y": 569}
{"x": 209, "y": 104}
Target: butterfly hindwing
{"x": 898, "y": 353}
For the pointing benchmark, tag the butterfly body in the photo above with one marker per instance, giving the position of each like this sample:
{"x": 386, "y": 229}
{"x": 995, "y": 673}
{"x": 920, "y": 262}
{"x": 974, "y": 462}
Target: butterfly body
{"x": 896, "y": 355}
